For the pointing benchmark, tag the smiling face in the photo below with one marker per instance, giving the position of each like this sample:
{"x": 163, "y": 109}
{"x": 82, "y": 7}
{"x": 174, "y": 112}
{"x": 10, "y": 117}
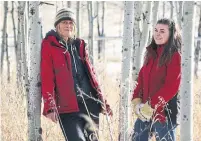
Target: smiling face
{"x": 161, "y": 34}
{"x": 66, "y": 29}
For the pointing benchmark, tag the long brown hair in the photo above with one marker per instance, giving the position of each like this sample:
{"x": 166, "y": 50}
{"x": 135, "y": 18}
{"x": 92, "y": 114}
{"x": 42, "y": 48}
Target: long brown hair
{"x": 173, "y": 44}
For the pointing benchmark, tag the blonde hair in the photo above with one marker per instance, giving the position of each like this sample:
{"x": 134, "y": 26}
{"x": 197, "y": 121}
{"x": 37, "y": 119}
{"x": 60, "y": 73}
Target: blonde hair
{"x": 74, "y": 30}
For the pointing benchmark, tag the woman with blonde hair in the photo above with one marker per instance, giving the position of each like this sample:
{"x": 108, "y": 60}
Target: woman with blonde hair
{"x": 70, "y": 90}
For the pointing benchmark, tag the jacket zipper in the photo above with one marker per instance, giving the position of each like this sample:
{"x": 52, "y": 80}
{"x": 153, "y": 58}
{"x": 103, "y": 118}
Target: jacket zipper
{"x": 73, "y": 59}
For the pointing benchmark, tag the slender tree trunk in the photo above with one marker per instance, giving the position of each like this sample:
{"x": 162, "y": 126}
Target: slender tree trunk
{"x": 23, "y": 47}
{"x": 3, "y": 45}
{"x": 62, "y": 4}
{"x": 78, "y": 18}
{"x": 101, "y": 43}
{"x": 180, "y": 14}
{"x": 155, "y": 10}
{"x": 144, "y": 37}
{"x": 172, "y": 9}
{"x": 186, "y": 130}
{"x": 20, "y": 43}
{"x": 14, "y": 30}
{"x": 126, "y": 67}
{"x": 164, "y": 9}
{"x": 91, "y": 35}
{"x": 137, "y": 36}
{"x": 197, "y": 49}
{"x": 69, "y": 4}
{"x": 56, "y": 6}
{"x": 34, "y": 94}
{"x": 7, "y": 59}
{"x": 154, "y": 18}
{"x": 15, "y": 42}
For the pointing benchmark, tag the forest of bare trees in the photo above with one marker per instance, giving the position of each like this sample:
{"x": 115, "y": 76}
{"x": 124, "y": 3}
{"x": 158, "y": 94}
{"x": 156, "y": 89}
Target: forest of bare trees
{"x": 117, "y": 34}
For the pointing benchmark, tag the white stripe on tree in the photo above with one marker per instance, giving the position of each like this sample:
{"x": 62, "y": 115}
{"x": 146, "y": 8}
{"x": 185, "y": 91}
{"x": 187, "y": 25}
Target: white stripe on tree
{"x": 125, "y": 76}
{"x": 186, "y": 132}
{"x": 34, "y": 96}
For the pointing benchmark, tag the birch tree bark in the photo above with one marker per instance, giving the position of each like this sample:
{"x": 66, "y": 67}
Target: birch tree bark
{"x": 144, "y": 37}
{"x": 91, "y": 35}
{"x": 164, "y": 6}
{"x": 22, "y": 45}
{"x": 3, "y": 45}
{"x": 14, "y": 31}
{"x": 21, "y": 6}
{"x": 172, "y": 9}
{"x": 137, "y": 36}
{"x": 180, "y": 13}
{"x": 7, "y": 58}
{"x": 186, "y": 130}
{"x": 34, "y": 94}
{"x": 100, "y": 28}
{"x": 69, "y": 4}
{"x": 197, "y": 49}
{"x": 155, "y": 10}
{"x": 154, "y": 18}
{"x": 78, "y": 18}
{"x": 125, "y": 76}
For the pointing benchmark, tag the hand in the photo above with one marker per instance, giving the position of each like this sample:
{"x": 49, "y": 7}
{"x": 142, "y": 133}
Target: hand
{"x": 145, "y": 111}
{"x": 137, "y": 106}
{"x": 52, "y": 116}
{"x": 138, "y": 112}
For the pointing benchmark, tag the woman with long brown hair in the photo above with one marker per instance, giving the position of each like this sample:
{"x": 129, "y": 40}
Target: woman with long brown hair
{"x": 155, "y": 98}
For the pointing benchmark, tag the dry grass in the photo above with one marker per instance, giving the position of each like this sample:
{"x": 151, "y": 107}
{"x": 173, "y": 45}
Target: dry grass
{"x": 14, "y": 120}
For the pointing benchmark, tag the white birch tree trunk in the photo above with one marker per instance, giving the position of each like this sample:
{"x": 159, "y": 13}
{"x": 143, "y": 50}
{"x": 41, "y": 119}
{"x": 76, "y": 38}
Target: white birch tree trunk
{"x": 144, "y": 37}
{"x": 180, "y": 13}
{"x": 69, "y": 4}
{"x": 100, "y": 28}
{"x": 154, "y": 18}
{"x": 125, "y": 76}
{"x": 91, "y": 35}
{"x": 172, "y": 9}
{"x": 22, "y": 45}
{"x": 164, "y": 8}
{"x": 3, "y": 45}
{"x": 155, "y": 10}
{"x": 78, "y": 17}
{"x": 34, "y": 96}
{"x": 197, "y": 49}
{"x": 137, "y": 36}
{"x": 186, "y": 131}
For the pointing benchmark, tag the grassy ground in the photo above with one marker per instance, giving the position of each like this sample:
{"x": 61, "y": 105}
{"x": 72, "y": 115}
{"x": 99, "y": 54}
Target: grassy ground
{"x": 14, "y": 120}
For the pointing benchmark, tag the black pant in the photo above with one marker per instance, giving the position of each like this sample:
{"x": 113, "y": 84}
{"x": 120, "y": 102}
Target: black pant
{"x": 78, "y": 126}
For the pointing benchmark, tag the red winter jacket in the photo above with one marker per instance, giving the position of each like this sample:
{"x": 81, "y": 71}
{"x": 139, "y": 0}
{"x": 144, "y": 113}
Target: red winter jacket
{"x": 57, "y": 84}
{"x": 157, "y": 84}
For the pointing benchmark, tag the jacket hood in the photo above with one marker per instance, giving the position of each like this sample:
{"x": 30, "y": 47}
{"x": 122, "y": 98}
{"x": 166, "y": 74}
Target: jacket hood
{"x": 53, "y": 33}
{"x": 54, "y": 38}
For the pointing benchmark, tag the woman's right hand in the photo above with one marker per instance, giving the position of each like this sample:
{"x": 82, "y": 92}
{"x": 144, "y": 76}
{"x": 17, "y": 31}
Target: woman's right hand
{"x": 52, "y": 116}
